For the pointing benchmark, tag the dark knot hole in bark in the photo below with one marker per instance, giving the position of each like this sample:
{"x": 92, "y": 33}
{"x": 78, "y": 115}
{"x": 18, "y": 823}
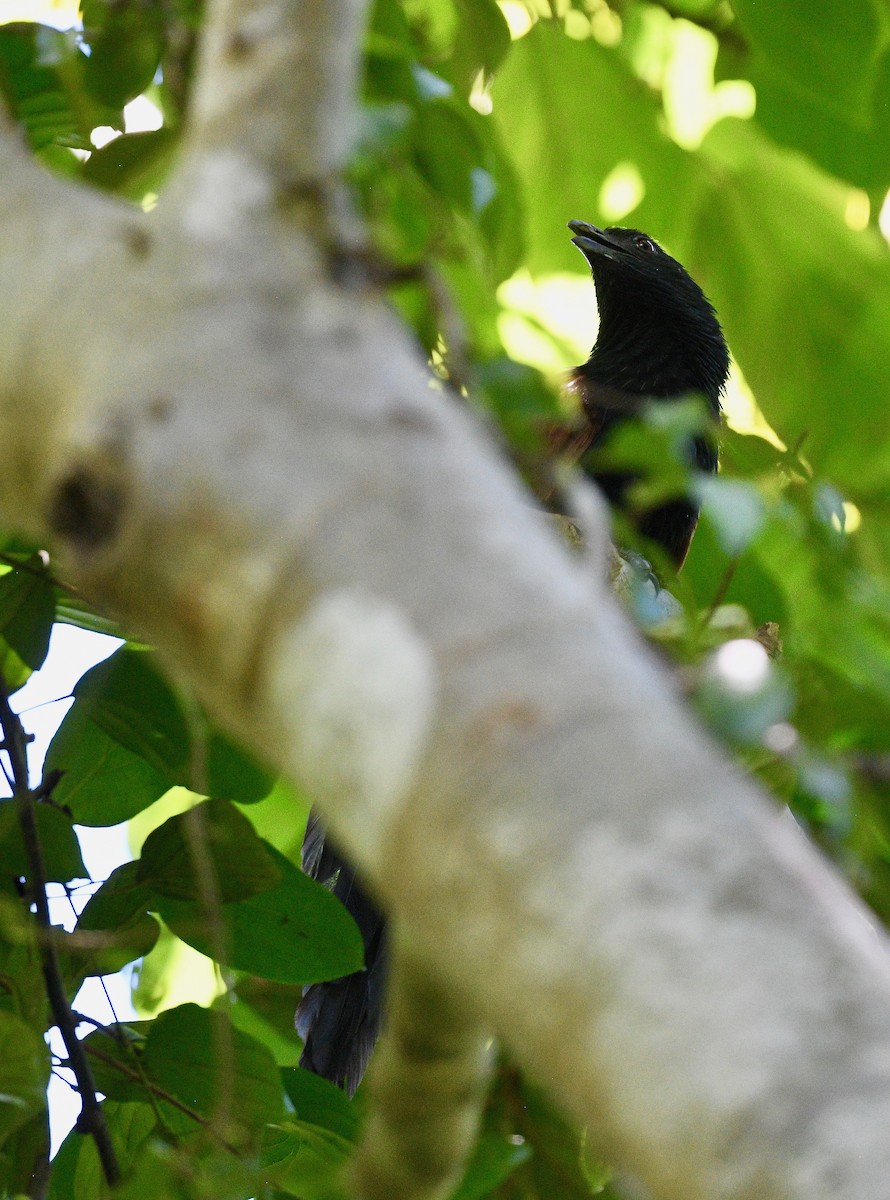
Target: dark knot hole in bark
{"x": 86, "y": 507}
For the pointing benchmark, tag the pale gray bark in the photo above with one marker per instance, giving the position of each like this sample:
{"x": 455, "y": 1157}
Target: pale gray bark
{"x": 246, "y": 463}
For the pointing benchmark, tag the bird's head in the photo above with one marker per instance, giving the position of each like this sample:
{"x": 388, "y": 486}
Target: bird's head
{"x": 659, "y": 334}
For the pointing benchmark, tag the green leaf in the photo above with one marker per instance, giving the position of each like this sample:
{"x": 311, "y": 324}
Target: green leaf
{"x": 130, "y": 700}
{"x": 461, "y": 37}
{"x": 126, "y": 741}
{"x": 77, "y": 1172}
{"x": 845, "y": 143}
{"x": 126, "y": 41}
{"x": 123, "y": 743}
{"x": 483, "y": 38}
{"x": 24, "y": 1073}
{"x": 824, "y": 49}
{"x": 389, "y": 54}
{"x": 564, "y": 140}
{"x": 525, "y": 407}
{"x": 191, "y": 1170}
{"x": 72, "y": 610}
{"x": 833, "y": 301}
{"x": 119, "y": 908}
{"x": 115, "y": 1052}
{"x": 296, "y": 932}
{"x": 241, "y": 863}
{"x": 180, "y": 1055}
{"x": 103, "y": 783}
{"x": 280, "y": 818}
{"x": 20, "y": 964}
{"x": 265, "y": 1010}
{"x": 233, "y": 774}
{"x": 442, "y": 123}
{"x": 41, "y": 71}
{"x": 318, "y": 1102}
{"x": 27, "y": 612}
{"x": 754, "y": 579}
{"x": 58, "y": 841}
{"x": 749, "y": 456}
{"x": 133, "y": 164}
{"x": 556, "y": 1161}
{"x": 494, "y": 1159}
{"x": 14, "y": 671}
{"x": 305, "y": 1160}
{"x": 440, "y": 187}
{"x": 736, "y": 509}
{"x": 23, "y": 1155}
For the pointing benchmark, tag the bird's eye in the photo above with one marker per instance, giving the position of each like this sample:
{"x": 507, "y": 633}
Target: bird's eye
{"x": 643, "y": 243}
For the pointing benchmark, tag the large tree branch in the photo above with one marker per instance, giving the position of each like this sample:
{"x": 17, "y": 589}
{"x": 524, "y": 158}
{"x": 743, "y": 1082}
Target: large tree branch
{"x": 246, "y": 462}
{"x": 277, "y": 85}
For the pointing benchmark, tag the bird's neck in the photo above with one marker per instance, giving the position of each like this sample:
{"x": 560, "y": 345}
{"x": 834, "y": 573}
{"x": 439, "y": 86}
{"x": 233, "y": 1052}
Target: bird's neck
{"x": 645, "y": 357}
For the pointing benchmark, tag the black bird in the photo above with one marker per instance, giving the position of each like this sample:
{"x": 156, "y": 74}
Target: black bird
{"x": 339, "y": 1020}
{"x": 658, "y": 338}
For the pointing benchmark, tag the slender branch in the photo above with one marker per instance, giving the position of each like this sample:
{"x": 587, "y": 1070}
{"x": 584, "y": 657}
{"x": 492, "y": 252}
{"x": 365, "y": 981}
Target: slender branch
{"x": 123, "y": 1041}
{"x": 92, "y": 1117}
{"x": 722, "y": 588}
{"x": 40, "y": 571}
{"x": 83, "y": 939}
{"x": 23, "y": 564}
{"x": 155, "y": 1089}
{"x": 210, "y": 905}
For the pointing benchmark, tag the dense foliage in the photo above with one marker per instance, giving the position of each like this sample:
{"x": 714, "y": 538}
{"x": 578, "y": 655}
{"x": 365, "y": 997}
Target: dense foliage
{"x": 485, "y": 128}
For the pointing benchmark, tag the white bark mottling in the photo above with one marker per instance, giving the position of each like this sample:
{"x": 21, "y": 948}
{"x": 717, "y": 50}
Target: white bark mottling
{"x": 226, "y": 444}
{"x": 278, "y": 80}
{"x": 358, "y": 694}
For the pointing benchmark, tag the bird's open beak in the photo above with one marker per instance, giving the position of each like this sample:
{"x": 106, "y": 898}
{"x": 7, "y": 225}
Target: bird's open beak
{"x": 593, "y": 242}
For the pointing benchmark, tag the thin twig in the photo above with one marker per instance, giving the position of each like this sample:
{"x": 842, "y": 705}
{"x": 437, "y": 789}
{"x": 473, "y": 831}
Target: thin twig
{"x": 124, "y": 1042}
{"x": 81, "y": 939}
{"x": 722, "y": 589}
{"x": 161, "y": 1093}
{"x": 39, "y": 572}
{"x": 92, "y": 1116}
{"x": 210, "y": 908}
